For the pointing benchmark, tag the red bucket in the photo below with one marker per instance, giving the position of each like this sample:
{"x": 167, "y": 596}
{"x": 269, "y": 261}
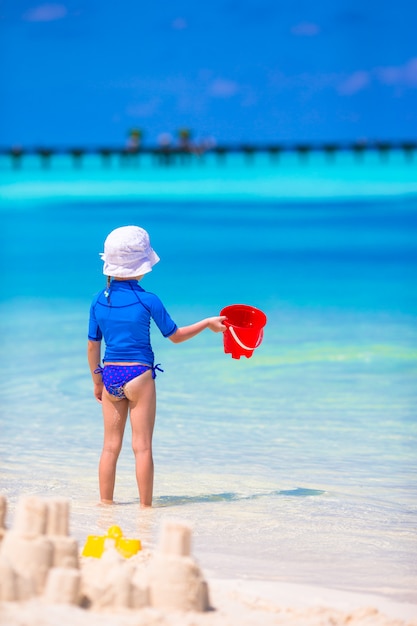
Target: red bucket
{"x": 245, "y": 329}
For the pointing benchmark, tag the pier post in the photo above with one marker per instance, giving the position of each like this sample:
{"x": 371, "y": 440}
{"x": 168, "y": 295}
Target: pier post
{"x": 105, "y": 154}
{"x": 274, "y": 152}
{"x": 384, "y": 148}
{"x": 45, "y": 155}
{"x": 16, "y": 156}
{"x": 330, "y": 150}
{"x": 409, "y": 148}
{"x": 303, "y": 150}
{"x": 249, "y": 152}
{"x": 220, "y": 152}
{"x": 77, "y": 154}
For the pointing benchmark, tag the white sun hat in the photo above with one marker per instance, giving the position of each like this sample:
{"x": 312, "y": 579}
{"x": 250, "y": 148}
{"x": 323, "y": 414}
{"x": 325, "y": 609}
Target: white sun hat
{"x": 128, "y": 253}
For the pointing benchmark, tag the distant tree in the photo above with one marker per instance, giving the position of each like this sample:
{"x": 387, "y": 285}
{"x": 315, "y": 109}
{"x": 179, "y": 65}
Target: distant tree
{"x": 184, "y": 138}
{"x": 135, "y": 139}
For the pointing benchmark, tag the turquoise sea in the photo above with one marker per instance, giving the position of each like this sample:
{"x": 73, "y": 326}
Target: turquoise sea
{"x": 298, "y": 464}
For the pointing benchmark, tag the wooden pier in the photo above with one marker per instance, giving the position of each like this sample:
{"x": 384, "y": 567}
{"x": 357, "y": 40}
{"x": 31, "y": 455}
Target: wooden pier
{"x": 169, "y": 155}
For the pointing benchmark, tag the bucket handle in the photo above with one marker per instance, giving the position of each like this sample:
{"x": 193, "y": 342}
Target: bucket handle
{"x": 242, "y": 345}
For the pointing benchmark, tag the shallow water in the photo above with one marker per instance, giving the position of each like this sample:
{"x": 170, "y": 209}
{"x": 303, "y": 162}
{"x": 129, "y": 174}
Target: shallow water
{"x": 297, "y": 464}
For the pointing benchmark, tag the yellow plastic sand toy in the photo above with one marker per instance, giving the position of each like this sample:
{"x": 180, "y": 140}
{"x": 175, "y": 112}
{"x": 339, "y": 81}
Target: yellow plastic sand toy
{"x": 95, "y": 544}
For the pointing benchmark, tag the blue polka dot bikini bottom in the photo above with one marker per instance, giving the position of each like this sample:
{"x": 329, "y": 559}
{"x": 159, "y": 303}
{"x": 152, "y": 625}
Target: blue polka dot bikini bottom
{"x": 115, "y": 377}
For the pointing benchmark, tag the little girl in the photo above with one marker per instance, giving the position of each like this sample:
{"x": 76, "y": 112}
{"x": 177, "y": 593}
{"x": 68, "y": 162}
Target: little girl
{"x": 121, "y": 315}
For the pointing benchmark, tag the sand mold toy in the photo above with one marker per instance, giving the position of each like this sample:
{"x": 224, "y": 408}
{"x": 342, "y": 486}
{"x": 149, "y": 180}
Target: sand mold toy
{"x": 95, "y": 545}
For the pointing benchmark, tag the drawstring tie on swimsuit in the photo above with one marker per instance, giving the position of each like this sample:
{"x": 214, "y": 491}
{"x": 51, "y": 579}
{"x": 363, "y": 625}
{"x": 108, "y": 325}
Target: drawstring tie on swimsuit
{"x": 154, "y": 368}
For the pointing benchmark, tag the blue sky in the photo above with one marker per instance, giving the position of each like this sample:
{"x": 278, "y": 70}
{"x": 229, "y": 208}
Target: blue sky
{"x": 83, "y": 72}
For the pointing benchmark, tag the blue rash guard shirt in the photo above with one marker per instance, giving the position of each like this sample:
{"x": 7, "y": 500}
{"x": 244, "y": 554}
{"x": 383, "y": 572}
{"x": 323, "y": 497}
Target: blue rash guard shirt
{"x": 123, "y": 319}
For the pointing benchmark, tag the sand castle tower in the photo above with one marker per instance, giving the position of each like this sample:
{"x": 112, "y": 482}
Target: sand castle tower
{"x": 38, "y": 556}
{"x": 175, "y": 580}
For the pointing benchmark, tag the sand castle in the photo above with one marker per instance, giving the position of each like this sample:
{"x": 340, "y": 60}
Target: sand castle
{"x": 38, "y": 558}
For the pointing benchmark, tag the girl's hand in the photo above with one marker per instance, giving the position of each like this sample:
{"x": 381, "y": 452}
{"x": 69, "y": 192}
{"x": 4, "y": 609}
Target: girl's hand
{"x": 216, "y": 324}
{"x": 188, "y": 332}
{"x": 98, "y": 391}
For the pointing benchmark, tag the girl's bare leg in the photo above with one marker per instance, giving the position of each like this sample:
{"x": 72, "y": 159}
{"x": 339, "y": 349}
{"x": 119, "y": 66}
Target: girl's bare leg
{"x": 142, "y": 403}
{"x": 114, "y": 415}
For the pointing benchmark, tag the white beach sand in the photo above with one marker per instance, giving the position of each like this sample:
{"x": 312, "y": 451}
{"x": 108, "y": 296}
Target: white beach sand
{"x": 234, "y": 603}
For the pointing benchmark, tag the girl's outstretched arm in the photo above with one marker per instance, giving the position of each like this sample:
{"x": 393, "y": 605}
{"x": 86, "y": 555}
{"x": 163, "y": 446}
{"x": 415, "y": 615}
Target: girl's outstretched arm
{"x": 188, "y": 332}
